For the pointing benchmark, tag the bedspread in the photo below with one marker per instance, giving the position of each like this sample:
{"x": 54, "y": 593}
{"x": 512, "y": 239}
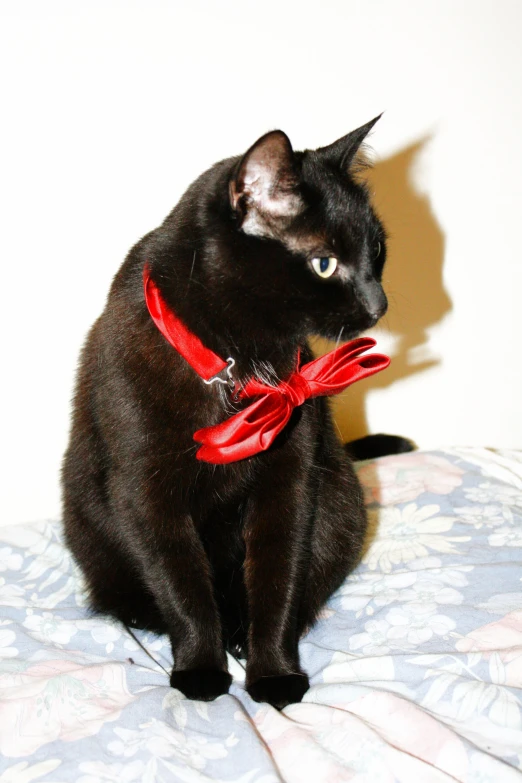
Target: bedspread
{"x": 415, "y": 662}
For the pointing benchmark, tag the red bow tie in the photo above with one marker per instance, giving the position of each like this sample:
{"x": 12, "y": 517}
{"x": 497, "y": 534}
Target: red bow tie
{"x": 255, "y": 428}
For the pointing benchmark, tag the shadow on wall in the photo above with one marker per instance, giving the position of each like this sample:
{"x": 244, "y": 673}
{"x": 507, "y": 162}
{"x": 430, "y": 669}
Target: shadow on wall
{"x": 412, "y": 280}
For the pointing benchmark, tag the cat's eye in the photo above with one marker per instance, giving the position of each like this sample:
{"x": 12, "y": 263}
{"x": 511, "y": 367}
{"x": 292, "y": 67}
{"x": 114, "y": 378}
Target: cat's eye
{"x": 378, "y": 249}
{"x": 324, "y": 267}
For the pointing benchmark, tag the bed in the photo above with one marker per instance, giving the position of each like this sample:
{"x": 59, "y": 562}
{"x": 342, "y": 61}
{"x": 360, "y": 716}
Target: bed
{"x": 415, "y": 663}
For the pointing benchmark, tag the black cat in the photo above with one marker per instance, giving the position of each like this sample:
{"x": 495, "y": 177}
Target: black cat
{"x": 261, "y": 252}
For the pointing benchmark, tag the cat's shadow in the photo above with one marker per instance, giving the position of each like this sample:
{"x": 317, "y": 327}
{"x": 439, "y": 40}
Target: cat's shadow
{"x": 412, "y": 280}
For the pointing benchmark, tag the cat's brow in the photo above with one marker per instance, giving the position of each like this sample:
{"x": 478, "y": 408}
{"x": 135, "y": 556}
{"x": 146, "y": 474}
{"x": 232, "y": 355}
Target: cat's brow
{"x": 306, "y": 244}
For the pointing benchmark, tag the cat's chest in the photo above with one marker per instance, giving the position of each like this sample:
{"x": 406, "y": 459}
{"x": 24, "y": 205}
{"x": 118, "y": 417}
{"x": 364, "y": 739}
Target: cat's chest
{"x": 214, "y": 486}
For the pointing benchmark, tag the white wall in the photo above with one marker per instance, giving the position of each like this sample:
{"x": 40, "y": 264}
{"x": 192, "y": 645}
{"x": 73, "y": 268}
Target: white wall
{"x": 109, "y": 109}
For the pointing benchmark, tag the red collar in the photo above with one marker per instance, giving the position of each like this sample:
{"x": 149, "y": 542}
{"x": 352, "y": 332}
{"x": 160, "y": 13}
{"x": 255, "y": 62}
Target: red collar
{"x": 255, "y": 428}
{"x": 205, "y": 362}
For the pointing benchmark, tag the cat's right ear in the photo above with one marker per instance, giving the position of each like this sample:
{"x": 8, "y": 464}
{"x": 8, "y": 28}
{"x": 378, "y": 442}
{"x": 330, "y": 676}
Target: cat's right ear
{"x": 265, "y": 184}
{"x": 343, "y": 151}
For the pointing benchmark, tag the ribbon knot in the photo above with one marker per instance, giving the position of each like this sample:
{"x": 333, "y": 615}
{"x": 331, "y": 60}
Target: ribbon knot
{"x": 295, "y": 389}
{"x": 255, "y": 428}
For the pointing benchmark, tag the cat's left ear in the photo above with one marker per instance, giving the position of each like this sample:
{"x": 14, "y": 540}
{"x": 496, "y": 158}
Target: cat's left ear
{"x": 342, "y": 152}
{"x": 265, "y": 183}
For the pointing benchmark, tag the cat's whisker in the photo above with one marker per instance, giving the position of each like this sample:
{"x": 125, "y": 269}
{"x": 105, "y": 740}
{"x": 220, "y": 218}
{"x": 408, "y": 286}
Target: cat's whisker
{"x": 339, "y": 337}
{"x": 142, "y": 646}
{"x": 394, "y": 295}
{"x": 265, "y": 372}
{"x": 338, "y": 429}
{"x": 232, "y": 341}
{"x": 191, "y": 269}
{"x": 386, "y": 324}
{"x": 191, "y": 448}
{"x": 198, "y": 282}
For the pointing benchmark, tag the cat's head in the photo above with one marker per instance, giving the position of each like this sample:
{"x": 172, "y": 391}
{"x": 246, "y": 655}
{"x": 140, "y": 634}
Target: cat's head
{"x": 308, "y": 221}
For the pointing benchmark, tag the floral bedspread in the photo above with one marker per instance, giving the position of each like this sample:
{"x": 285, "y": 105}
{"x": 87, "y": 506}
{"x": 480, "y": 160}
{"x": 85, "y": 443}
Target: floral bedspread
{"x": 415, "y": 664}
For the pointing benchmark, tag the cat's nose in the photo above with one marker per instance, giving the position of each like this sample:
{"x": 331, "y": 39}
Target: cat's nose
{"x": 378, "y": 312}
{"x": 374, "y": 317}
{"x": 374, "y": 300}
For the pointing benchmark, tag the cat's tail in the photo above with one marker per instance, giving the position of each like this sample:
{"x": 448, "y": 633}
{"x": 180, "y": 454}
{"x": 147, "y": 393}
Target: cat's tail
{"x": 373, "y": 446}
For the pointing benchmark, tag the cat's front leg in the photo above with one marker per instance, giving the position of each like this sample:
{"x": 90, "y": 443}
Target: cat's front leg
{"x": 176, "y": 570}
{"x": 200, "y": 665}
{"x": 276, "y": 536}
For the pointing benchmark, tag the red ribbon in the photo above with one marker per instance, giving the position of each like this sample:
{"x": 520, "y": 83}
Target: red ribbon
{"x": 255, "y": 428}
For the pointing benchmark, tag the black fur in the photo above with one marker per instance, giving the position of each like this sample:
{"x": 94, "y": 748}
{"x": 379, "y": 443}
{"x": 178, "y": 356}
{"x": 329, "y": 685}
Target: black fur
{"x": 242, "y": 556}
{"x": 373, "y": 446}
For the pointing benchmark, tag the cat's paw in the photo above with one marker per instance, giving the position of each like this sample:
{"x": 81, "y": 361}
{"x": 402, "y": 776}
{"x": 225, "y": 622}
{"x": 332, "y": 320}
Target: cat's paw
{"x": 279, "y": 690}
{"x": 201, "y": 684}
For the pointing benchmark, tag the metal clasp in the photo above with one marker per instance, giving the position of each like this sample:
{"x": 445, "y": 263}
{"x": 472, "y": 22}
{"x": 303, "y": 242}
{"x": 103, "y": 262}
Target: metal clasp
{"x": 229, "y": 380}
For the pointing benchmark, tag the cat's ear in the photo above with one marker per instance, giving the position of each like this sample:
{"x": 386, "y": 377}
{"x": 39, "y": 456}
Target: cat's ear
{"x": 266, "y": 183}
{"x": 342, "y": 152}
